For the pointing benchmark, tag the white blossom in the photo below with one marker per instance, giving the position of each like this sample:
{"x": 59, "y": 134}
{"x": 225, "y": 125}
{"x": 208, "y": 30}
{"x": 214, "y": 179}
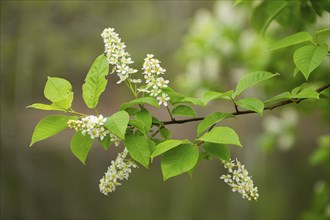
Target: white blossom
{"x": 155, "y": 83}
{"x": 119, "y": 170}
{"x": 238, "y": 179}
{"x": 163, "y": 99}
{"x": 116, "y": 54}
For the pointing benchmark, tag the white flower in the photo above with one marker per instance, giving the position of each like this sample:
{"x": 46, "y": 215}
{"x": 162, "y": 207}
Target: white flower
{"x": 119, "y": 169}
{"x": 163, "y": 99}
{"x": 116, "y": 54}
{"x": 239, "y": 180}
{"x": 114, "y": 139}
{"x": 162, "y": 83}
{"x": 155, "y": 91}
{"x": 136, "y": 81}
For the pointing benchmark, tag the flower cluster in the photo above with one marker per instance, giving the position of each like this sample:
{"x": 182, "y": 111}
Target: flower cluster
{"x": 238, "y": 178}
{"x": 116, "y": 54}
{"x": 118, "y": 170}
{"x": 154, "y": 82}
{"x": 91, "y": 125}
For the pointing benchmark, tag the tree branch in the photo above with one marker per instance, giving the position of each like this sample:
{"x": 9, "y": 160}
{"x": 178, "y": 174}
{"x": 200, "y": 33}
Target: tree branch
{"x": 270, "y": 107}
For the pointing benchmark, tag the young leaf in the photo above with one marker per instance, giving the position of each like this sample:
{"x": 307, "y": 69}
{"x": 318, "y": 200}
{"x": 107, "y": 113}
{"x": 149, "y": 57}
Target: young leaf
{"x": 80, "y": 146}
{"x": 179, "y": 160}
{"x": 165, "y": 133}
{"x": 144, "y": 100}
{"x": 211, "y": 119}
{"x": 145, "y": 117}
{"x": 139, "y": 125}
{"x": 219, "y": 151}
{"x": 183, "y": 110}
{"x": 57, "y": 89}
{"x": 64, "y": 103}
{"x": 266, "y": 12}
{"x": 106, "y": 142}
{"x": 95, "y": 81}
{"x": 117, "y": 123}
{"x": 285, "y": 95}
{"x": 138, "y": 147}
{"x": 309, "y": 57}
{"x": 167, "y": 145}
{"x": 212, "y": 95}
{"x": 49, "y": 126}
{"x": 293, "y": 39}
{"x": 221, "y": 135}
{"x": 252, "y": 104}
{"x": 306, "y": 93}
{"x": 191, "y": 100}
{"x": 251, "y": 79}
{"x": 45, "y": 107}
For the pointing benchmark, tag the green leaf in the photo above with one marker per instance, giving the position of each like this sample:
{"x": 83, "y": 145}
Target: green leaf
{"x": 285, "y": 95}
{"x": 167, "y": 145}
{"x": 95, "y": 81}
{"x": 117, "y": 124}
{"x": 212, "y": 95}
{"x": 179, "y": 160}
{"x": 165, "y": 133}
{"x": 80, "y": 146}
{"x": 131, "y": 111}
{"x": 106, "y": 142}
{"x": 65, "y": 103}
{"x": 191, "y": 100}
{"x": 309, "y": 57}
{"x": 219, "y": 151}
{"x": 49, "y": 126}
{"x": 139, "y": 125}
{"x": 145, "y": 117}
{"x": 251, "y": 79}
{"x": 320, "y": 33}
{"x": 265, "y": 13}
{"x": 57, "y": 89}
{"x": 183, "y": 110}
{"x": 210, "y": 120}
{"x": 46, "y": 107}
{"x": 293, "y": 39}
{"x": 252, "y": 104}
{"x": 306, "y": 93}
{"x": 144, "y": 100}
{"x": 221, "y": 135}
{"x": 138, "y": 147}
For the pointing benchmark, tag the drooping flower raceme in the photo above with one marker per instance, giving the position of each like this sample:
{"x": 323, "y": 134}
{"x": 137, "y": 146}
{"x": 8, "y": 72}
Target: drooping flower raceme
{"x": 117, "y": 55}
{"x": 119, "y": 170}
{"x": 238, "y": 178}
{"x": 91, "y": 125}
{"x": 152, "y": 72}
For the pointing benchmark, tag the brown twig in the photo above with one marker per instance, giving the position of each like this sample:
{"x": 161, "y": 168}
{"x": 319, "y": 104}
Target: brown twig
{"x": 270, "y": 107}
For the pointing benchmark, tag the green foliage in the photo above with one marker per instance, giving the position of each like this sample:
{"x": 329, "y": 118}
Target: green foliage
{"x": 309, "y": 57}
{"x": 251, "y": 79}
{"x": 139, "y": 101}
{"x": 221, "y": 135}
{"x": 166, "y": 146}
{"x": 117, "y": 123}
{"x": 146, "y": 136}
{"x": 212, "y": 95}
{"x": 80, "y": 146}
{"x": 252, "y": 104}
{"x": 183, "y": 110}
{"x": 95, "y": 81}
{"x": 145, "y": 118}
{"x": 49, "y": 126}
{"x": 210, "y": 120}
{"x": 265, "y": 13}
{"x": 219, "y": 151}
{"x": 138, "y": 147}
{"x": 179, "y": 160}
{"x": 297, "y": 38}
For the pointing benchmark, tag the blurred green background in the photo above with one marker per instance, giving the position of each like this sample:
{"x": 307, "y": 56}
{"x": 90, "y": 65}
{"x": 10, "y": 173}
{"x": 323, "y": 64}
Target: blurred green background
{"x": 203, "y": 45}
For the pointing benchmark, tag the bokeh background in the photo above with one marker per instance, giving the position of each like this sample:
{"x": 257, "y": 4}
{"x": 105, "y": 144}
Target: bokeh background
{"x": 203, "y": 45}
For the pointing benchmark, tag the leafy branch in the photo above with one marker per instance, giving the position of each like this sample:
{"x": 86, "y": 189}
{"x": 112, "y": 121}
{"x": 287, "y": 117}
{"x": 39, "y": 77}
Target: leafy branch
{"x": 239, "y": 112}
